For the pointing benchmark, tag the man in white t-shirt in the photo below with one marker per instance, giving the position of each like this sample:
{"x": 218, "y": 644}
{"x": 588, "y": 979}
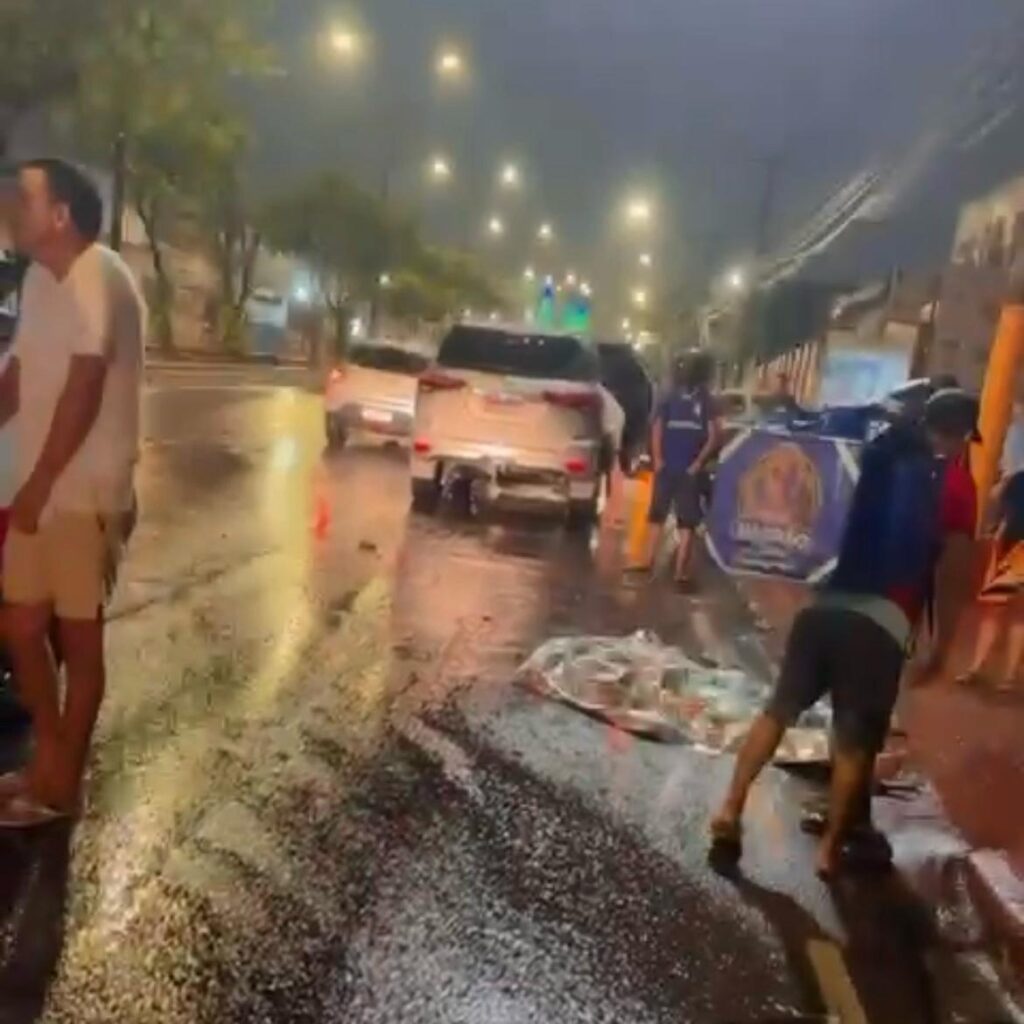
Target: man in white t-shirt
{"x": 73, "y": 386}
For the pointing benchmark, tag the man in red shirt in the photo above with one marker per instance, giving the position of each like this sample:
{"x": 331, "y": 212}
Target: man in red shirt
{"x": 908, "y": 543}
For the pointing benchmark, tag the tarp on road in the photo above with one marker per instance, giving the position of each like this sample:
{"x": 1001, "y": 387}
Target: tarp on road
{"x": 639, "y": 684}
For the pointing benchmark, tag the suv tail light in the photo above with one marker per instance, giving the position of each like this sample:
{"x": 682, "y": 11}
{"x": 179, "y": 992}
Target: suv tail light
{"x": 583, "y": 401}
{"x": 438, "y": 380}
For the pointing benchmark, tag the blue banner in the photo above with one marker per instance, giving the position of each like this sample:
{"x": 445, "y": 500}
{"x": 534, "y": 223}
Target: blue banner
{"x": 780, "y": 504}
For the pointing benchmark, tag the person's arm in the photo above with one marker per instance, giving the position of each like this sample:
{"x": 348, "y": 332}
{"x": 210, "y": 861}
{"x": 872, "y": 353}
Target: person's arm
{"x": 76, "y": 412}
{"x": 713, "y": 443}
{"x": 656, "y": 442}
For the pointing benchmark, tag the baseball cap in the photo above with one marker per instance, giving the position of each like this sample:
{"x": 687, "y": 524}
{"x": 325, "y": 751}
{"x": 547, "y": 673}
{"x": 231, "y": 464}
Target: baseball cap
{"x": 952, "y": 412}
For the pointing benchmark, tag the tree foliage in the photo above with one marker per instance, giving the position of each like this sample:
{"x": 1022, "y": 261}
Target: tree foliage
{"x": 347, "y": 235}
{"x": 351, "y": 238}
{"x": 44, "y": 51}
{"x": 158, "y": 93}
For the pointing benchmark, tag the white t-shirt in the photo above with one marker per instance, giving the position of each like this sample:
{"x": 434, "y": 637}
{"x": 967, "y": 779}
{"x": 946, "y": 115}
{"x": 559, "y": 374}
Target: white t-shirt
{"x": 96, "y": 310}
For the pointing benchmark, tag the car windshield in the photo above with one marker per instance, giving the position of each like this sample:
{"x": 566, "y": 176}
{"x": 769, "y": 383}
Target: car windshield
{"x": 389, "y": 358}
{"x": 538, "y": 356}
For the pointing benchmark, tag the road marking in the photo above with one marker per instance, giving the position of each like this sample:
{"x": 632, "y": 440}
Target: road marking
{"x": 835, "y": 983}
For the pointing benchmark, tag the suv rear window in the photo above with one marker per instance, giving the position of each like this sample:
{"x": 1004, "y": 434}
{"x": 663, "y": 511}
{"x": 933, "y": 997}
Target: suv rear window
{"x": 513, "y": 354}
{"x": 393, "y": 360}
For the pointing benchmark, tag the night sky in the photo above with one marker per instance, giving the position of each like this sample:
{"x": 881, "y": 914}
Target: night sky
{"x": 688, "y": 100}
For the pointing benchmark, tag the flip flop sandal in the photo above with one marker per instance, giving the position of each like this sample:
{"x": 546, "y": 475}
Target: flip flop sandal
{"x": 972, "y": 679}
{"x": 24, "y": 812}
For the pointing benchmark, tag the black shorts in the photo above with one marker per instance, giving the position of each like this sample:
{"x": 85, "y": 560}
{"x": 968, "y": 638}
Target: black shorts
{"x": 678, "y": 493}
{"x": 852, "y": 658}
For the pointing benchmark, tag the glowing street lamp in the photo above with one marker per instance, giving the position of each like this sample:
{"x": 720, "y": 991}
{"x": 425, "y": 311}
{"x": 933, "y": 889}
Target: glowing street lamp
{"x": 736, "y": 279}
{"x": 440, "y": 169}
{"x": 345, "y": 42}
{"x": 450, "y": 64}
{"x": 639, "y": 211}
{"x": 385, "y": 280}
{"x": 530, "y": 274}
{"x": 640, "y": 298}
{"x": 510, "y": 177}
{"x": 570, "y": 279}
{"x": 496, "y": 227}
{"x": 627, "y": 324}
{"x": 585, "y": 290}
{"x": 646, "y": 261}
{"x": 546, "y": 232}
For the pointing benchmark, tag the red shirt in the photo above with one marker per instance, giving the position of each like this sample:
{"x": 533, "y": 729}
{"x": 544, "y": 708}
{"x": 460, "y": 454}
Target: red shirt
{"x": 958, "y": 514}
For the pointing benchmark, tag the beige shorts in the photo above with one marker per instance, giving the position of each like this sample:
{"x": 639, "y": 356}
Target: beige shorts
{"x": 69, "y": 564}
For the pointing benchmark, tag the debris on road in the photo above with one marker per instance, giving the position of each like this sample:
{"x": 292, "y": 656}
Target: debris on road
{"x": 639, "y": 684}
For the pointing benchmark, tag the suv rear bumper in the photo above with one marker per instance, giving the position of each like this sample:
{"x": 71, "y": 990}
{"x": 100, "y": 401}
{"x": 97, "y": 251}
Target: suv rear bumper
{"x": 536, "y": 479}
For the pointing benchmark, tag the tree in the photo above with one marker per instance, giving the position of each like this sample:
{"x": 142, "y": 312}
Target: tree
{"x": 347, "y": 235}
{"x": 445, "y": 281}
{"x": 44, "y": 53}
{"x": 157, "y": 94}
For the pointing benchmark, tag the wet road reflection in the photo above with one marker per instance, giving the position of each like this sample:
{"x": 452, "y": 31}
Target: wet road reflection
{"x": 316, "y": 797}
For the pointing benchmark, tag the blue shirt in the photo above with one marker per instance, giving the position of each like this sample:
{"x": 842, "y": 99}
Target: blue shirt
{"x": 685, "y": 418}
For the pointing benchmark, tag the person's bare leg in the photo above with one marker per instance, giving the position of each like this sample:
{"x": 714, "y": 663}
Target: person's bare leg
{"x": 989, "y": 629}
{"x": 82, "y": 646}
{"x": 27, "y": 632}
{"x": 851, "y": 773}
{"x": 684, "y": 554}
{"x": 758, "y": 749}
{"x": 1015, "y": 641}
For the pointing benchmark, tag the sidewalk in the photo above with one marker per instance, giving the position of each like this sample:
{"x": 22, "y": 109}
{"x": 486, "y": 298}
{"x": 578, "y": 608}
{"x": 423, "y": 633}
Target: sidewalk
{"x": 970, "y": 744}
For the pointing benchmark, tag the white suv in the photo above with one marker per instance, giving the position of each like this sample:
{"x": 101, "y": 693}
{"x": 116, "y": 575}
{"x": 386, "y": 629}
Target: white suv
{"x": 522, "y": 412}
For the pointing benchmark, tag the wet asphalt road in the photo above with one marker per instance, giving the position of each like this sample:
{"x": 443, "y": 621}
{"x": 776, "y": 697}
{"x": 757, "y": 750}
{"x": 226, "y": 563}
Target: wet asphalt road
{"x": 316, "y": 796}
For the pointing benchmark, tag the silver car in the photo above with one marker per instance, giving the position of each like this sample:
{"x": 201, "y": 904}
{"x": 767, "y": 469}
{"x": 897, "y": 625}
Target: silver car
{"x": 373, "y": 391}
{"x": 521, "y": 413}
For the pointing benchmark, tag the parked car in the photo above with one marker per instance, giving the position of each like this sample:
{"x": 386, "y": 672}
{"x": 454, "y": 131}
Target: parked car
{"x": 624, "y": 376}
{"x": 374, "y": 391}
{"x": 521, "y": 413}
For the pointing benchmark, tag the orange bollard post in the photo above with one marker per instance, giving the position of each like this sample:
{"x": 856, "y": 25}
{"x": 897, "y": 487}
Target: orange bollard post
{"x": 638, "y": 525}
{"x": 1005, "y": 363}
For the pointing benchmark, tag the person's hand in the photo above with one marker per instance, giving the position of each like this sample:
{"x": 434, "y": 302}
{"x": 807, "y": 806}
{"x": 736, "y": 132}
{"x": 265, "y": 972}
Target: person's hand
{"x": 693, "y": 469}
{"x": 29, "y": 503}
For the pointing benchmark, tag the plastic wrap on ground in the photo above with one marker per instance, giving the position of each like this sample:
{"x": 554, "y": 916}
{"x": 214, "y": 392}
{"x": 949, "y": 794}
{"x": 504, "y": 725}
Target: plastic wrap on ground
{"x": 639, "y": 684}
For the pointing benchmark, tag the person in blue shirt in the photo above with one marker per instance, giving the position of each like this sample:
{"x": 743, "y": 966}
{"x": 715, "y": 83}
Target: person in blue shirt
{"x": 685, "y": 437}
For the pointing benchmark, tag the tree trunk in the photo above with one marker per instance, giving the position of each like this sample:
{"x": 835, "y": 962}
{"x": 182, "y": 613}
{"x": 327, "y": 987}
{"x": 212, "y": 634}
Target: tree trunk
{"x": 163, "y": 297}
{"x": 120, "y": 175}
